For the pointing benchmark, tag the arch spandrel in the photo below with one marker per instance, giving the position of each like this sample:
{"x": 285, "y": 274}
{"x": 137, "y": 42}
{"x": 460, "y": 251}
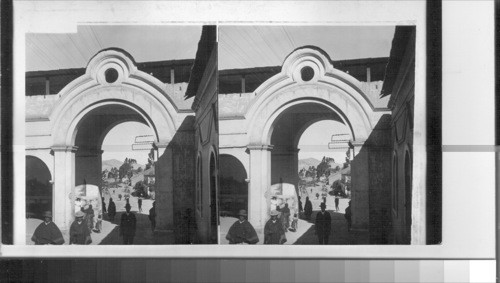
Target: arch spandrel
{"x": 136, "y": 89}
{"x": 327, "y": 86}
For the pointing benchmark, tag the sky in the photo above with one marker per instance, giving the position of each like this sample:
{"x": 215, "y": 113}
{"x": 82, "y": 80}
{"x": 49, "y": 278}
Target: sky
{"x": 118, "y": 142}
{"x": 144, "y": 43}
{"x": 314, "y": 141}
{"x": 259, "y": 46}
{"x": 239, "y": 46}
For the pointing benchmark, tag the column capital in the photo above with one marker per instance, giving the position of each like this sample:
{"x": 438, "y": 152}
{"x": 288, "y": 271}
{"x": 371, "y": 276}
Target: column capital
{"x": 356, "y": 143}
{"x": 285, "y": 150}
{"x": 162, "y": 144}
{"x": 64, "y": 148}
{"x": 160, "y": 147}
{"x": 267, "y": 147}
{"x": 89, "y": 151}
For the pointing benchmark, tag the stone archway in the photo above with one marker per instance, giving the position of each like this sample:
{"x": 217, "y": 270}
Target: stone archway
{"x": 307, "y": 78}
{"x": 115, "y": 89}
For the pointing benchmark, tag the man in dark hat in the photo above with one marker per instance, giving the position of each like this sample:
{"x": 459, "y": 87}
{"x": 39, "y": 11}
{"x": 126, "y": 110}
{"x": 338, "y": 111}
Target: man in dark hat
{"x": 242, "y": 231}
{"x": 127, "y": 226}
{"x": 79, "y": 233}
{"x": 323, "y": 225}
{"x": 47, "y": 233}
{"x": 274, "y": 233}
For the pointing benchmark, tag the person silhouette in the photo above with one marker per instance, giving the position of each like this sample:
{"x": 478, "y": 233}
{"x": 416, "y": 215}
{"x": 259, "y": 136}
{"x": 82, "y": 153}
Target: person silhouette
{"x": 127, "y": 226}
{"x": 348, "y": 216}
{"x": 111, "y": 210}
{"x": 308, "y": 209}
{"x": 323, "y": 225}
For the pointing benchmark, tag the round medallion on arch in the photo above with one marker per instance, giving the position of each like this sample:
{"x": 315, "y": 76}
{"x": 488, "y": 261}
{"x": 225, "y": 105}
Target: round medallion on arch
{"x": 307, "y": 73}
{"x": 111, "y": 75}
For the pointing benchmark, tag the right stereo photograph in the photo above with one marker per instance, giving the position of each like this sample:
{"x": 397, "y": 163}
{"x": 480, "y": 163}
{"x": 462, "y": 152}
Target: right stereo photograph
{"x": 316, "y": 136}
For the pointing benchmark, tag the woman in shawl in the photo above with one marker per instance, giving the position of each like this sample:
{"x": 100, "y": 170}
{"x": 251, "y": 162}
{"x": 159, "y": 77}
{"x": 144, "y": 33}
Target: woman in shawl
{"x": 47, "y": 233}
{"x": 242, "y": 231}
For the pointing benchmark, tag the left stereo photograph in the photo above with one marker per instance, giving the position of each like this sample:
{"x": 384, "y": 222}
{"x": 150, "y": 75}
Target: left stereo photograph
{"x": 116, "y": 118}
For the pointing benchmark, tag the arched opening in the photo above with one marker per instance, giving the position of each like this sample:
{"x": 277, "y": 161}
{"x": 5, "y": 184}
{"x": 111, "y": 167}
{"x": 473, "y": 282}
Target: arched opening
{"x": 214, "y": 218}
{"x": 233, "y": 186}
{"x": 113, "y": 152}
{"x": 408, "y": 197}
{"x": 310, "y": 147}
{"x": 117, "y": 135}
{"x": 288, "y": 129}
{"x": 324, "y": 162}
{"x": 38, "y": 188}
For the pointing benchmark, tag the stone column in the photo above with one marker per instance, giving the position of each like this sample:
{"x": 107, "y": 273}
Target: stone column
{"x": 284, "y": 165}
{"x": 164, "y": 189}
{"x": 63, "y": 192}
{"x": 88, "y": 166}
{"x": 359, "y": 187}
{"x": 260, "y": 181}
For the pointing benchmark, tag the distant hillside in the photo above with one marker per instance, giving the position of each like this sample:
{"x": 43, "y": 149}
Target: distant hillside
{"x": 108, "y": 164}
{"x": 305, "y": 163}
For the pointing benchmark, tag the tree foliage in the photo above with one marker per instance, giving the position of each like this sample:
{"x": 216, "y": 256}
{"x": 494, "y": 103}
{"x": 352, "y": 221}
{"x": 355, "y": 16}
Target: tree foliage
{"x": 126, "y": 168}
{"x": 324, "y": 166}
{"x": 140, "y": 189}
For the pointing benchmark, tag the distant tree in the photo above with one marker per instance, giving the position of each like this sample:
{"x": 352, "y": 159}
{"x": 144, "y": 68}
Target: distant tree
{"x": 323, "y": 167}
{"x": 113, "y": 173}
{"x": 140, "y": 189}
{"x": 104, "y": 174}
{"x": 126, "y": 168}
{"x": 139, "y": 170}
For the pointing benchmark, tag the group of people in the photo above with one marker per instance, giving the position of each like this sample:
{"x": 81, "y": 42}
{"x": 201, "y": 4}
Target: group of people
{"x": 242, "y": 232}
{"x": 47, "y": 233}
